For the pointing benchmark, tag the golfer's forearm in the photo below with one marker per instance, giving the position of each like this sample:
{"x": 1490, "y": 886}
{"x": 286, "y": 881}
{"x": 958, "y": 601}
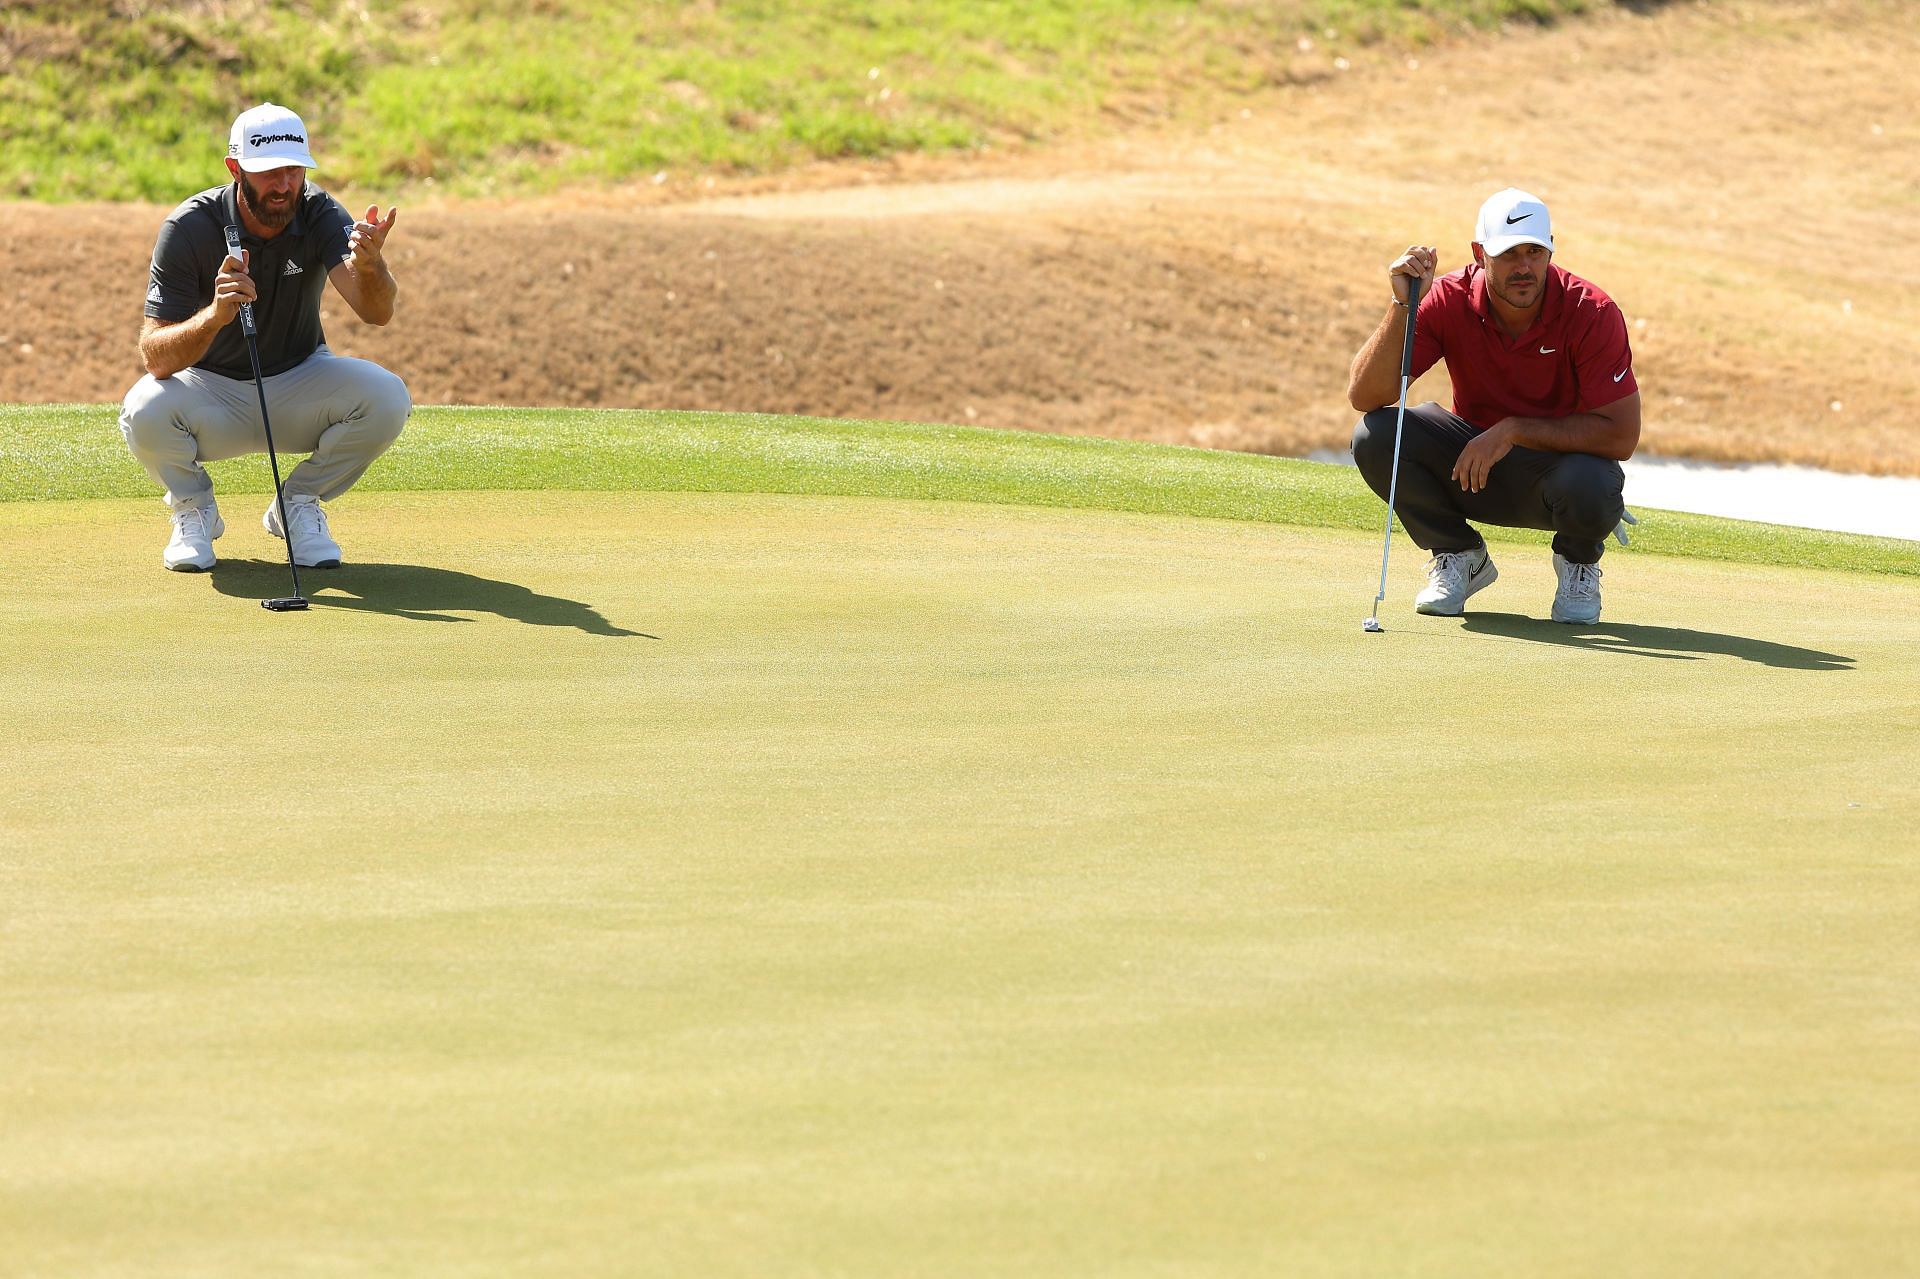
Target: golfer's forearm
{"x": 377, "y": 292}
{"x": 1593, "y": 433}
{"x": 165, "y": 351}
{"x": 1374, "y": 380}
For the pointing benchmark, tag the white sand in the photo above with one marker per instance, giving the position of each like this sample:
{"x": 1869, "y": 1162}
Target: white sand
{"x": 1797, "y": 495}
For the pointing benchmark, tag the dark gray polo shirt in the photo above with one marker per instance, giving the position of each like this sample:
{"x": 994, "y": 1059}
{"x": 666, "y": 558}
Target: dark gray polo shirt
{"x": 289, "y": 272}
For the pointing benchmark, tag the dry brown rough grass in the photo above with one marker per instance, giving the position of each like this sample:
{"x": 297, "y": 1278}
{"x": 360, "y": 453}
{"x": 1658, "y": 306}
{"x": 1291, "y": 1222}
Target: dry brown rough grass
{"x": 1738, "y": 175}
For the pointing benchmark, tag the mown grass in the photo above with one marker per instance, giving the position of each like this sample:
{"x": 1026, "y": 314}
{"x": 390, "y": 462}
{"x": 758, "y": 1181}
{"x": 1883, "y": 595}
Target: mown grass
{"x": 131, "y": 100}
{"x": 75, "y": 452}
{"x": 873, "y": 888}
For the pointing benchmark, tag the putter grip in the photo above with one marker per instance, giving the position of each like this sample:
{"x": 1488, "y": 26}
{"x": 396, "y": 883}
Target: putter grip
{"x": 246, "y": 308}
{"x": 1413, "y": 310}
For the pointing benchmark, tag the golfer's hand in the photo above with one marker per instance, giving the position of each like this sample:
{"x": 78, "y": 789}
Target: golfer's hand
{"x": 368, "y": 239}
{"x": 232, "y": 287}
{"x": 1417, "y": 263}
{"x": 1477, "y": 460}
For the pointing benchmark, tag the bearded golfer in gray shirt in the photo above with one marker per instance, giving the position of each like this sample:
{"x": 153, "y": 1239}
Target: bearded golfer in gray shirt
{"x": 198, "y": 402}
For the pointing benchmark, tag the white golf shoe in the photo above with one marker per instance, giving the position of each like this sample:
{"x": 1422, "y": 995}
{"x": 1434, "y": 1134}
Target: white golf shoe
{"x": 1577, "y": 602}
{"x": 190, "y": 549}
{"x": 1451, "y": 577}
{"x": 313, "y": 544}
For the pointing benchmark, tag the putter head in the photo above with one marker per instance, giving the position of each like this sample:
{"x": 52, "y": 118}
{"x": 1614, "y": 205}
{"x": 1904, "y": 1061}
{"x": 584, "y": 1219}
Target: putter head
{"x": 1372, "y": 626}
{"x": 288, "y": 604}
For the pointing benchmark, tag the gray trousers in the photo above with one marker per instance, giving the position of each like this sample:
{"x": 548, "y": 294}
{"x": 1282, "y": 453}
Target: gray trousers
{"x": 345, "y": 412}
{"x": 1576, "y": 496}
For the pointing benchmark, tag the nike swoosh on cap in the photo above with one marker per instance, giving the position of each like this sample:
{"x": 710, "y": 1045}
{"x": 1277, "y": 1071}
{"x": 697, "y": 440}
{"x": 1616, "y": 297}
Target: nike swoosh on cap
{"x": 1521, "y": 218}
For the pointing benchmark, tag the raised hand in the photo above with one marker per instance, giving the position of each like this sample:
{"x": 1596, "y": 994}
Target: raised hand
{"x": 367, "y": 241}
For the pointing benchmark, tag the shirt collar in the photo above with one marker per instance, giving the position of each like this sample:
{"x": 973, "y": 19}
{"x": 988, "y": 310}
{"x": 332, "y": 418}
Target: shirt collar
{"x": 1554, "y": 295}
{"x": 1476, "y": 290}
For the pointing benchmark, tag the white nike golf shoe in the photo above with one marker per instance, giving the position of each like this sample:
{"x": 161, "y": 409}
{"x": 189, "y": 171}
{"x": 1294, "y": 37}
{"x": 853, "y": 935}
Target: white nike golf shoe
{"x": 190, "y": 549}
{"x": 1451, "y": 577}
{"x": 1577, "y": 602}
{"x": 313, "y": 544}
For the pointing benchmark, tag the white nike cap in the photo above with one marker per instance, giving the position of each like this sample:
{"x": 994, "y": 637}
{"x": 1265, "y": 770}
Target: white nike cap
{"x": 1513, "y": 217}
{"x": 268, "y": 137}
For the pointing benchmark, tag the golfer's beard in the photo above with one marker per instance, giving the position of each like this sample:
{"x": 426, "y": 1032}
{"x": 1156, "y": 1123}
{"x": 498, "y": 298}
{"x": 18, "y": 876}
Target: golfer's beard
{"x": 1507, "y": 290}
{"x": 256, "y": 204}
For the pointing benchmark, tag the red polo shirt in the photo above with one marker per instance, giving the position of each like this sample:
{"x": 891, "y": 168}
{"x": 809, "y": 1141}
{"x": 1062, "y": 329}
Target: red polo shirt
{"x": 1574, "y": 359}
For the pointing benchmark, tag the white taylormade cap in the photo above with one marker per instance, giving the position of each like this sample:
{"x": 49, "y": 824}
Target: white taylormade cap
{"x": 268, "y": 137}
{"x": 1512, "y": 217}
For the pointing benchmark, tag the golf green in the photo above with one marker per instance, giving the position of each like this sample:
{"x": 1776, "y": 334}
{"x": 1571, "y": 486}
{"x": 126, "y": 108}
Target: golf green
{"x": 721, "y": 884}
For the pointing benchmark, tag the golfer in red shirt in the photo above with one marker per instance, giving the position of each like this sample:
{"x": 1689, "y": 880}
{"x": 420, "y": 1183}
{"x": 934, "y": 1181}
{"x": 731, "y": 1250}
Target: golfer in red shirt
{"x": 1545, "y": 408}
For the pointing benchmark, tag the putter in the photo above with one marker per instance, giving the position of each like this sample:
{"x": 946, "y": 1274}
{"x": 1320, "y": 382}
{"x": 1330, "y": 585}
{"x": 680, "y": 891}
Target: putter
{"x": 1372, "y": 625}
{"x": 287, "y": 603}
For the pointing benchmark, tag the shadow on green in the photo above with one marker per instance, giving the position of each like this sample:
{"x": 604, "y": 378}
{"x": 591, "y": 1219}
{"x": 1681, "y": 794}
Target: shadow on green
{"x": 413, "y": 591}
{"x": 1670, "y": 642}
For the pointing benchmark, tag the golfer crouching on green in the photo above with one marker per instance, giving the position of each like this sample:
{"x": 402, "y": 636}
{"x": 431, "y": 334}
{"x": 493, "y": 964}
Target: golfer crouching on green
{"x": 198, "y": 402}
{"x": 1545, "y": 408}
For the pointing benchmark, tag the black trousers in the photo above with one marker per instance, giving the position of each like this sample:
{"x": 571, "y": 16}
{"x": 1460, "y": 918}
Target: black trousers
{"x": 1575, "y": 496}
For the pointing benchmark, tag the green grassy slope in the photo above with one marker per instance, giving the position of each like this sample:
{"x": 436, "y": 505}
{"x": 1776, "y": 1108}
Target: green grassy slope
{"x": 75, "y": 451}
{"x": 128, "y": 101}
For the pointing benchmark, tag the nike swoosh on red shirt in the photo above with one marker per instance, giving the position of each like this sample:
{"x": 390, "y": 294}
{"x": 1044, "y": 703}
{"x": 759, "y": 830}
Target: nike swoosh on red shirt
{"x": 1622, "y": 373}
